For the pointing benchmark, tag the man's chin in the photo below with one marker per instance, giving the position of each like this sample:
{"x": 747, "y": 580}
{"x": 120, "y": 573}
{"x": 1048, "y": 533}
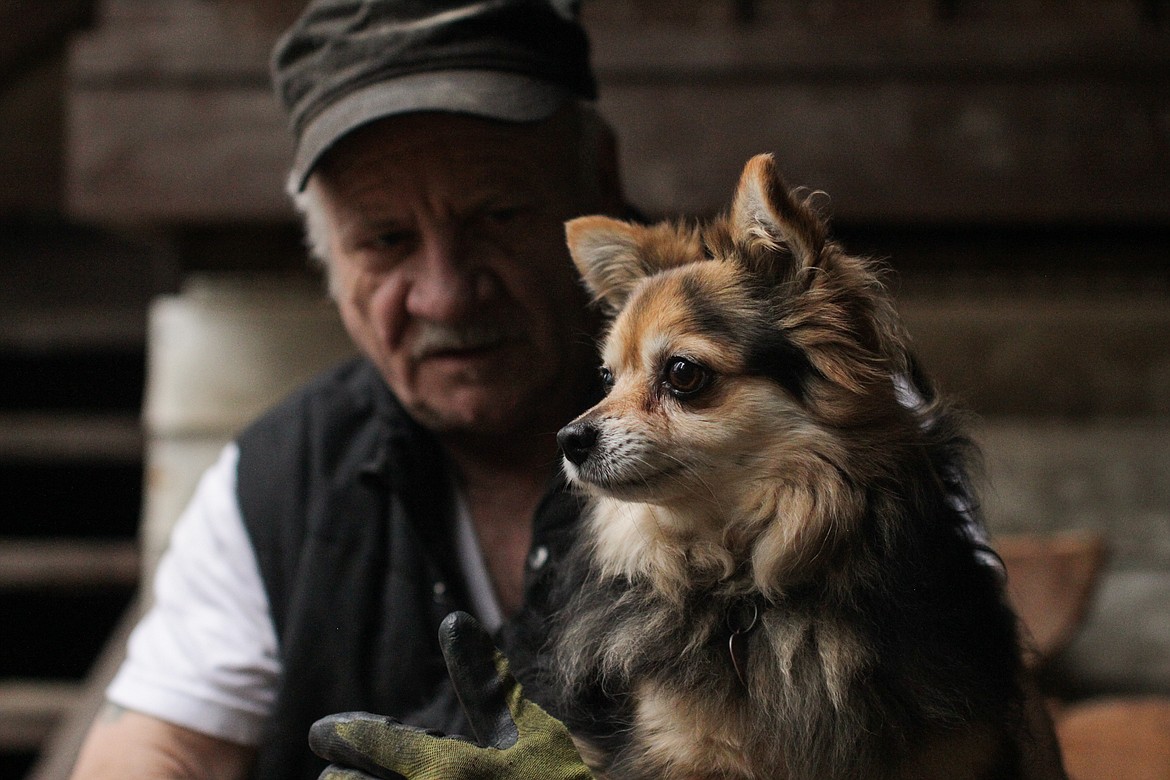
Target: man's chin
{"x": 483, "y": 417}
{"x": 500, "y": 403}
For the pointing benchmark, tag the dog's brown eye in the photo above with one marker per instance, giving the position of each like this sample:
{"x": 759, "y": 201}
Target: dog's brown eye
{"x": 606, "y": 377}
{"x": 685, "y": 377}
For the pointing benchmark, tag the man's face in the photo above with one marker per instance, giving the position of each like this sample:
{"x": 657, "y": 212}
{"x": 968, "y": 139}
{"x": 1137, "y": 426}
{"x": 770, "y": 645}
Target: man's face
{"x": 450, "y": 270}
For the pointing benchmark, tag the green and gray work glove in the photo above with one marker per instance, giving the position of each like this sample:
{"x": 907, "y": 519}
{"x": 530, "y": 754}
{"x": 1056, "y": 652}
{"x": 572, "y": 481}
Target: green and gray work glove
{"x": 517, "y": 740}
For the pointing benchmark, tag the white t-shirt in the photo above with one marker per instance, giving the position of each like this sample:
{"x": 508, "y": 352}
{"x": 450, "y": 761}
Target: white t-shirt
{"x": 205, "y": 654}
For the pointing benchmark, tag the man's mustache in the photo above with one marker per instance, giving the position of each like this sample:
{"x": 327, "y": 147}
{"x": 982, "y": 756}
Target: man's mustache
{"x": 430, "y": 338}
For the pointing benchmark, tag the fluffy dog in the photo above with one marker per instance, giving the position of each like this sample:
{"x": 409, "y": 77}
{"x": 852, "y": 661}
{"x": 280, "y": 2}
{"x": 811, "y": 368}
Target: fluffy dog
{"x": 778, "y": 576}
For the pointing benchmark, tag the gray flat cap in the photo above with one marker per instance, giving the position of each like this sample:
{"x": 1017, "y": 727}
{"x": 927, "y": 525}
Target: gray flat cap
{"x": 346, "y": 63}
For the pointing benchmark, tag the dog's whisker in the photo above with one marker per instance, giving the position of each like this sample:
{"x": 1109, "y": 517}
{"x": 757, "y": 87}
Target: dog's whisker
{"x": 693, "y": 479}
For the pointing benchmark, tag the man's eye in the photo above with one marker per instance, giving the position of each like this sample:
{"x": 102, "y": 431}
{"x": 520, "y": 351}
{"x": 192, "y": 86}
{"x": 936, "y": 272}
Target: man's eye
{"x": 504, "y": 213}
{"x": 685, "y": 377}
{"x": 500, "y": 216}
{"x": 392, "y": 239}
{"x": 606, "y": 377}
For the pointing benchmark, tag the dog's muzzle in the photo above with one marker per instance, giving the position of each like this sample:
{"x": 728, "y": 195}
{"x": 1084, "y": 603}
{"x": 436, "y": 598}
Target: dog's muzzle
{"x": 577, "y": 440}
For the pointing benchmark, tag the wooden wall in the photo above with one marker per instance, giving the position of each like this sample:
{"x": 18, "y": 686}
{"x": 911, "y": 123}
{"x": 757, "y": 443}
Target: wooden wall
{"x": 901, "y": 112}
{"x": 1010, "y": 158}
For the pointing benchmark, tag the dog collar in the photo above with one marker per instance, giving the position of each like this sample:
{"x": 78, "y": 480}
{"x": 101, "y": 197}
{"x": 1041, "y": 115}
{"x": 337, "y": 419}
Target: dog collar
{"x": 743, "y": 617}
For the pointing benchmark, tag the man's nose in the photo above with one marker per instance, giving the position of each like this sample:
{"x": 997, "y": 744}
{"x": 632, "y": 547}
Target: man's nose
{"x": 446, "y": 284}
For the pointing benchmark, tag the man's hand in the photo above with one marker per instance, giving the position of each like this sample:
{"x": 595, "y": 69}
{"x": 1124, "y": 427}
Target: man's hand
{"x": 517, "y": 740}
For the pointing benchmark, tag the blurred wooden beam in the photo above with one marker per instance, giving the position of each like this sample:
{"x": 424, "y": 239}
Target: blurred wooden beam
{"x": 50, "y": 564}
{"x": 30, "y": 29}
{"x": 31, "y": 709}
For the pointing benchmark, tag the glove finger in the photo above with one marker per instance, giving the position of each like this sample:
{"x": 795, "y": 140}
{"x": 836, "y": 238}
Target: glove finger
{"x": 482, "y": 681}
{"x": 376, "y": 745}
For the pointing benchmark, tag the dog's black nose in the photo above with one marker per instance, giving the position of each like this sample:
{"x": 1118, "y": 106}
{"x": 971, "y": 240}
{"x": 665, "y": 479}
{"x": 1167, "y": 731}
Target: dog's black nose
{"x": 577, "y": 440}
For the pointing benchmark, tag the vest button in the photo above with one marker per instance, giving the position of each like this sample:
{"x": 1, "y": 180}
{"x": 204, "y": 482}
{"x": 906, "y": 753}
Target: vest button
{"x": 439, "y": 589}
{"x": 538, "y": 558}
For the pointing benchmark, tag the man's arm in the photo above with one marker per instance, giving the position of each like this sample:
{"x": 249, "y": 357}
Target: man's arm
{"x": 124, "y": 744}
{"x": 202, "y": 656}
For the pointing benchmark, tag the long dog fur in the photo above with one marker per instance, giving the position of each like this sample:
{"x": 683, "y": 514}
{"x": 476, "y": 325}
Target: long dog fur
{"x": 777, "y": 576}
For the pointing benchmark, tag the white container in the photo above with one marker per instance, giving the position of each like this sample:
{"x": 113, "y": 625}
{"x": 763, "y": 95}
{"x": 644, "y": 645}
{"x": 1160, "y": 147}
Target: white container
{"x": 219, "y": 354}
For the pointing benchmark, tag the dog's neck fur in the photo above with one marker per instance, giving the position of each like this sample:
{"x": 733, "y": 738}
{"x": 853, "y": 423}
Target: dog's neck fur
{"x": 808, "y": 653}
{"x": 764, "y": 539}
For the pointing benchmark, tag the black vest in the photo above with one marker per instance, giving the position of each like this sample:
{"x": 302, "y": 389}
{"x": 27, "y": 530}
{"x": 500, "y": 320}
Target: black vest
{"x": 347, "y": 504}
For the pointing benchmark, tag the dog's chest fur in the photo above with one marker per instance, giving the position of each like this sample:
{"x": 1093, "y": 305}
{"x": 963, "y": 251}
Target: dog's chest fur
{"x": 831, "y": 683}
{"x": 707, "y": 682}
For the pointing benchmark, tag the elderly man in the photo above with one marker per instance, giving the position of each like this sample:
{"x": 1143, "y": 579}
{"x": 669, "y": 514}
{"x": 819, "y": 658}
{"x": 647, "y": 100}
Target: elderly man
{"x": 440, "y": 148}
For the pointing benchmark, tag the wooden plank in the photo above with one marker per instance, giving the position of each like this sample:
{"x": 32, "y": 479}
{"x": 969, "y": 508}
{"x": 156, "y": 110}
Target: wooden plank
{"x": 178, "y": 155}
{"x": 59, "y": 751}
{"x": 1049, "y": 151}
{"x": 1052, "y": 46}
{"x": 911, "y": 151}
{"x": 1048, "y": 357}
{"x": 1108, "y": 476}
{"x": 29, "y": 710}
{"x": 879, "y": 17}
{"x": 45, "y": 564}
{"x": 32, "y": 134}
{"x": 72, "y": 327}
{"x": 191, "y": 41}
{"x": 171, "y": 42}
{"x": 27, "y": 35}
{"x": 172, "y": 119}
{"x": 70, "y": 436}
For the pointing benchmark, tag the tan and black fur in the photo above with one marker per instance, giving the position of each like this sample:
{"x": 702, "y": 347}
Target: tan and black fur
{"x": 776, "y": 578}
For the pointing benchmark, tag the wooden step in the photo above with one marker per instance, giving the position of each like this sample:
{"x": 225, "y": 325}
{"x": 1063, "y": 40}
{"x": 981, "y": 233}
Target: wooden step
{"x": 59, "y": 750}
{"x": 25, "y": 35}
{"x": 83, "y": 326}
{"x": 71, "y": 286}
{"x": 31, "y": 709}
{"x": 70, "y": 436}
{"x": 1082, "y": 357}
{"x": 53, "y": 564}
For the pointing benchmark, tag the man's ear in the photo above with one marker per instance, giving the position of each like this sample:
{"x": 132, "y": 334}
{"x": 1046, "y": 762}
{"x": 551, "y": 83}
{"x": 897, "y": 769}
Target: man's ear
{"x": 605, "y": 252}
{"x": 764, "y": 213}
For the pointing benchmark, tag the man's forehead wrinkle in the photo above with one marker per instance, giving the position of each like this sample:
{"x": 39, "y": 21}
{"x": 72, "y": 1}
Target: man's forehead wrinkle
{"x": 459, "y": 174}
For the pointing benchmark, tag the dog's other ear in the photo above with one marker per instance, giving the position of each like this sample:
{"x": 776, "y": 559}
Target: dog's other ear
{"x": 765, "y": 214}
{"x": 605, "y": 252}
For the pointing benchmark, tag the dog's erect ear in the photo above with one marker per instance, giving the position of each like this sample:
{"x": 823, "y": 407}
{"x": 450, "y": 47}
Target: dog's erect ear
{"x": 605, "y": 252}
{"x": 765, "y": 213}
